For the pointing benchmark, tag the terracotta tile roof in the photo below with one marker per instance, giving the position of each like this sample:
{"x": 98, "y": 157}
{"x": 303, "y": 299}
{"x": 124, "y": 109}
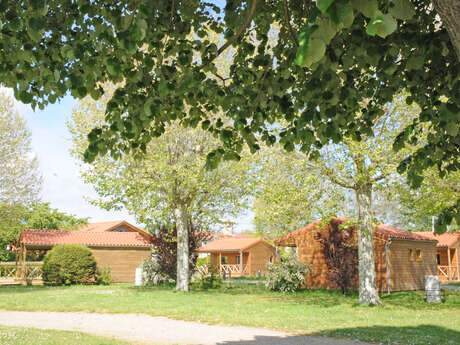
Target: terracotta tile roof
{"x": 229, "y": 244}
{"x": 447, "y": 239}
{"x": 32, "y": 237}
{"x": 111, "y": 225}
{"x": 383, "y": 231}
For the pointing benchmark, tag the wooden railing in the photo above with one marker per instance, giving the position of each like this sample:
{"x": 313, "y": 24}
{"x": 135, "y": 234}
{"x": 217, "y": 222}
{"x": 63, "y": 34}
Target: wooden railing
{"x": 448, "y": 273}
{"x": 10, "y": 271}
{"x": 233, "y": 269}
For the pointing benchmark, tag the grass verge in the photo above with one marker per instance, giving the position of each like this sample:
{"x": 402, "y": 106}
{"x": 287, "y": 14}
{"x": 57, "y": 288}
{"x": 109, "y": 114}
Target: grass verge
{"x": 28, "y": 336}
{"x": 404, "y": 317}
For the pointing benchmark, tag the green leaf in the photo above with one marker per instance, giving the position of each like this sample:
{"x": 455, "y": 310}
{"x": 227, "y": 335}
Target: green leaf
{"x": 323, "y": 5}
{"x": 402, "y": 9}
{"x": 37, "y": 23}
{"x": 388, "y": 26}
{"x": 315, "y": 52}
{"x": 340, "y": 12}
{"x": 366, "y": 7}
{"x": 382, "y": 25}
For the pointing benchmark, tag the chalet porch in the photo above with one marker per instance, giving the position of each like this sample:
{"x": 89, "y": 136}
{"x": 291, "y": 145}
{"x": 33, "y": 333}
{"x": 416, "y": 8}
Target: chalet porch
{"x": 448, "y": 267}
{"x": 233, "y": 264}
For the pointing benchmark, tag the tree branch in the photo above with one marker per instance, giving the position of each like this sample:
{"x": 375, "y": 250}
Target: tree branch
{"x": 288, "y": 23}
{"x": 232, "y": 39}
{"x": 338, "y": 180}
{"x": 379, "y": 177}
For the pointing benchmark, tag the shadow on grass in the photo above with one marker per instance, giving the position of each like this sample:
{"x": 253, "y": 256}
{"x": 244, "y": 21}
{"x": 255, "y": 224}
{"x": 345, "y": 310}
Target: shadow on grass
{"x": 417, "y": 335}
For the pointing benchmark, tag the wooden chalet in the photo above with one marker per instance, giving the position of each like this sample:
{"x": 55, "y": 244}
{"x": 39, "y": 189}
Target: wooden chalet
{"x": 447, "y": 254}
{"x": 402, "y": 258}
{"x": 239, "y": 255}
{"x": 118, "y": 245}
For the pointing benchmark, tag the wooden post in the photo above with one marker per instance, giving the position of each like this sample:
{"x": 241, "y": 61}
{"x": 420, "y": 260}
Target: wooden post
{"x": 448, "y": 263}
{"x": 241, "y": 263}
{"x": 220, "y": 262}
{"x": 456, "y": 259}
{"x": 249, "y": 263}
{"x": 24, "y": 258}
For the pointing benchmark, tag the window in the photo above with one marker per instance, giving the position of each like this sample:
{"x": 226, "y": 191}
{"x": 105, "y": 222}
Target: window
{"x": 238, "y": 260}
{"x": 411, "y": 255}
{"x": 438, "y": 259}
{"x": 224, "y": 260}
{"x": 418, "y": 255}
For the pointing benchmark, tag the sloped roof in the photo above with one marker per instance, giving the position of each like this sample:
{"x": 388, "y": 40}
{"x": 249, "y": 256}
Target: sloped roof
{"x": 385, "y": 232}
{"x": 111, "y": 225}
{"x": 447, "y": 239}
{"x": 32, "y": 237}
{"x": 231, "y": 244}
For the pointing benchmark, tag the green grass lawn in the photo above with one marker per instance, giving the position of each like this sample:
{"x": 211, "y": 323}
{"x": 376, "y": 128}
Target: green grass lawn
{"x": 29, "y": 336}
{"x": 404, "y": 317}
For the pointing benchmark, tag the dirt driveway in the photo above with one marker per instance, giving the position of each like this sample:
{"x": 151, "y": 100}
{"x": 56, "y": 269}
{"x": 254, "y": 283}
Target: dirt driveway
{"x": 159, "y": 330}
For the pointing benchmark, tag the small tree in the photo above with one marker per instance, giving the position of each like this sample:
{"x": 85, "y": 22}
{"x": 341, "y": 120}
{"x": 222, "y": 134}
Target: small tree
{"x": 165, "y": 243}
{"x": 341, "y": 254}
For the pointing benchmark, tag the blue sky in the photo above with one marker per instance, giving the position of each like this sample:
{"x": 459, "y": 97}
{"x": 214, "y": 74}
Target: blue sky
{"x": 62, "y": 186}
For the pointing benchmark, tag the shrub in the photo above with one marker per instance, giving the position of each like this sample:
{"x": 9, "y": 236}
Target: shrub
{"x": 208, "y": 277}
{"x": 104, "y": 276}
{"x": 338, "y": 246}
{"x": 165, "y": 243}
{"x": 69, "y": 264}
{"x": 286, "y": 276}
{"x": 152, "y": 273}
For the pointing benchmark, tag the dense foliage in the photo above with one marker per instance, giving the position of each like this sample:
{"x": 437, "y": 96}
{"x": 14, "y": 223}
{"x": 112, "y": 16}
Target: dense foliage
{"x": 287, "y": 275}
{"x": 165, "y": 249}
{"x": 69, "y": 264}
{"x": 325, "y": 68}
{"x": 152, "y": 272}
{"x": 338, "y": 246}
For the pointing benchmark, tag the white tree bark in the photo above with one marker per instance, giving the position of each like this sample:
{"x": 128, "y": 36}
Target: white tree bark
{"x": 182, "y": 280}
{"x": 368, "y": 293}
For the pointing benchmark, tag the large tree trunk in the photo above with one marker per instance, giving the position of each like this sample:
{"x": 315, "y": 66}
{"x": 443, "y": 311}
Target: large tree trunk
{"x": 449, "y": 11}
{"x": 368, "y": 293}
{"x": 182, "y": 279}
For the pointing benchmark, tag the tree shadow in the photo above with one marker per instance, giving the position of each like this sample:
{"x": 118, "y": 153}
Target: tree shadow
{"x": 384, "y": 335}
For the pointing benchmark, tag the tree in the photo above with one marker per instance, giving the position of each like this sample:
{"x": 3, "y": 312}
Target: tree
{"x": 418, "y": 207}
{"x": 364, "y": 167}
{"x": 20, "y": 178}
{"x": 290, "y": 195}
{"x": 42, "y": 216}
{"x": 168, "y": 184}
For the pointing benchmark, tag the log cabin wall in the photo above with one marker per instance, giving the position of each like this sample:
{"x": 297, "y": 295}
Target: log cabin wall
{"x": 260, "y": 255}
{"x": 404, "y": 275}
{"x": 122, "y": 262}
{"x": 408, "y": 267}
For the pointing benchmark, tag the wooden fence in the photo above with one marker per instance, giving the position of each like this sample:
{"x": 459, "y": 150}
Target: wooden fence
{"x": 10, "y": 272}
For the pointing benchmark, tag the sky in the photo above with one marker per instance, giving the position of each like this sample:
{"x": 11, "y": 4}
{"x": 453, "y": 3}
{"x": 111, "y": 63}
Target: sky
{"x": 62, "y": 186}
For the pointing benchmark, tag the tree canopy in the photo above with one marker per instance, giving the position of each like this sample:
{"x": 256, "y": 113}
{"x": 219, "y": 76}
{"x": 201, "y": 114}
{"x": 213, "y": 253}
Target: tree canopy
{"x": 310, "y": 64}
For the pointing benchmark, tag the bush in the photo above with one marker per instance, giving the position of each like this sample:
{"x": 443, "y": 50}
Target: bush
{"x": 208, "y": 277}
{"x": 286, "y": 276}
{"x": 152, "y": 273}
{"x": 69, "y": 264}
{"x": 104, "y": 276}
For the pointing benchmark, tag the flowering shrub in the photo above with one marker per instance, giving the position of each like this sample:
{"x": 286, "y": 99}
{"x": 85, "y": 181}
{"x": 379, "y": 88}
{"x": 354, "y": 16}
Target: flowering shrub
{"x": 152, "y": 273}
{"x": 286, "y": 276}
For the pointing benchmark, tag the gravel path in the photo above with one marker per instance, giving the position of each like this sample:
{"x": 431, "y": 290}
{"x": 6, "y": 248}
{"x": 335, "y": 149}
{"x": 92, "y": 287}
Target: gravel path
{"x": 159, "y": 330}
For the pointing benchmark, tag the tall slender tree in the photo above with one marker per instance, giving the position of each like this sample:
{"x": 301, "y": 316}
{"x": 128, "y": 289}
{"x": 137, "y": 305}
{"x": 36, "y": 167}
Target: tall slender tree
{"x": 168, "y": 184}
{"x": 362, "y": 167}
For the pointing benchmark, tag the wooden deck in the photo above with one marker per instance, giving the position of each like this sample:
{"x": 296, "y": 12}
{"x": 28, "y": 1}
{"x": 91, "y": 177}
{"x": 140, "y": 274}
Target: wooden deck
{"x": 14, "y": 274}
